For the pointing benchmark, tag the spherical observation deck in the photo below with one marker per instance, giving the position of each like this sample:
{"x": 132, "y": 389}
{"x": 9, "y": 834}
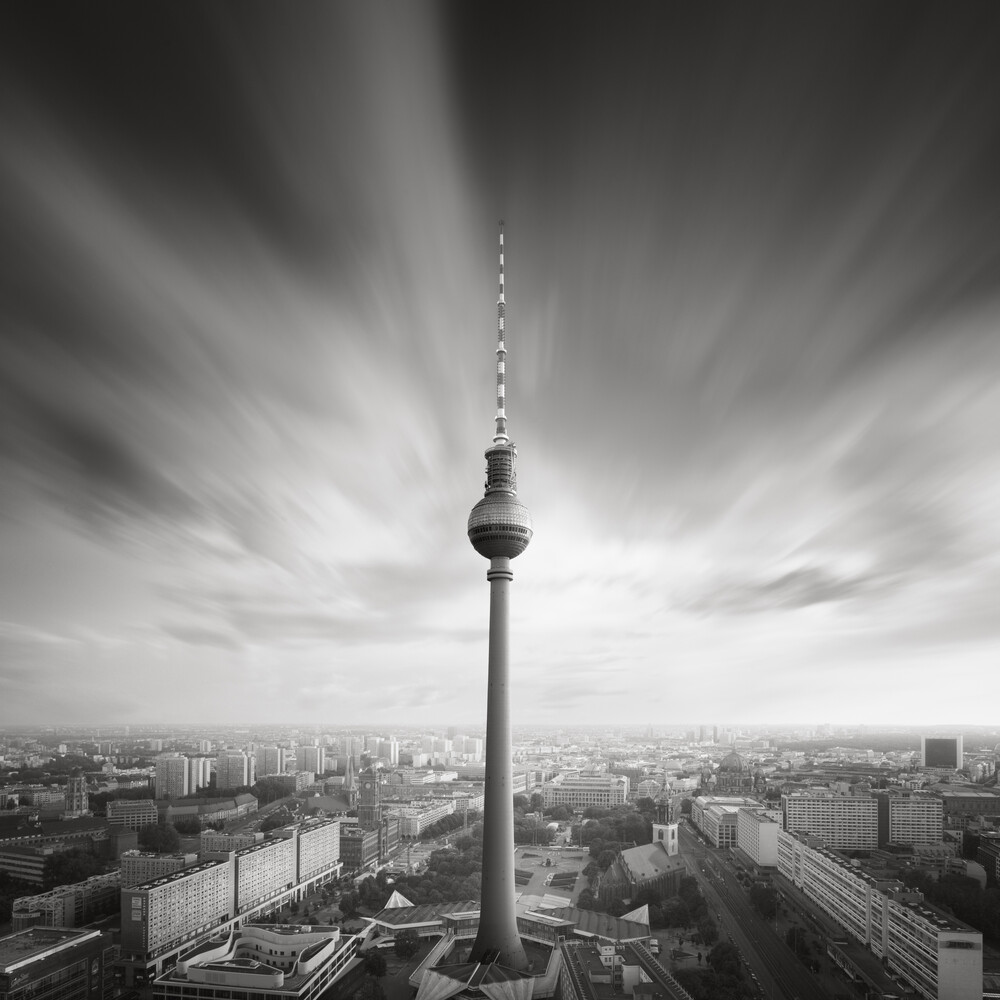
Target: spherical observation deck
{"x": 500, "y": 525}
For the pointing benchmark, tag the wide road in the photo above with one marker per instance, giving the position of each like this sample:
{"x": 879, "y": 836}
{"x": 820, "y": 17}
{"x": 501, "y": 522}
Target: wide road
{"x": 780, "y": 973}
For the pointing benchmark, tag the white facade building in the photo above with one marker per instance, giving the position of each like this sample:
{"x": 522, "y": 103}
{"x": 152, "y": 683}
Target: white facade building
{"x": 846, "y": 822}
{"x": 171, "y": 777}
{"x": 605, "y": 791}
{"x": 939, "y": 957}
{"x": 757, "y": 836}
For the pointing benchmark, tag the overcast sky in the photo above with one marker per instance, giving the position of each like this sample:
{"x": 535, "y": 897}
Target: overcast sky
{"x": 247, "y": 321}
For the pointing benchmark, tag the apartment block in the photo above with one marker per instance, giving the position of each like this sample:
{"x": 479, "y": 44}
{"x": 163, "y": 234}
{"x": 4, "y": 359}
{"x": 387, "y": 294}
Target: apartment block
{"x": 265, "y": 870}
{"x": 199, "y": 773}
{"x": 171, "y": 777}
{"x": 270, "y": 760}
{"x": 211, "y": 842}
{"x": 909, "y": 818}
{"x": 139, "y": 867}
{"x": 319, "y": 849}
{"x": 169, "y": 911}
{"x": 311, "y": 759}
{"x": 757, "y": 836}
{"x": 846, "y": 822}
{"x": 939, "y": 957}
{"x": 234, "y": 769}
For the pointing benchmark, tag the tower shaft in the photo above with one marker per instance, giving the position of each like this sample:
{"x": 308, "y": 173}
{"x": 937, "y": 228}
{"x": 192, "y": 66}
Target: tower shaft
{"x": 497, "y": 939}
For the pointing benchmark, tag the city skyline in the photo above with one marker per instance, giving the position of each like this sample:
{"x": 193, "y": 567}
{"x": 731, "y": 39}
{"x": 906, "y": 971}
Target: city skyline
{"x": 752, "y": 321}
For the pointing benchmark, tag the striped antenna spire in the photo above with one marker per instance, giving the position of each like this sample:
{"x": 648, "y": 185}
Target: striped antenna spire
{"x": 501, "y": 434}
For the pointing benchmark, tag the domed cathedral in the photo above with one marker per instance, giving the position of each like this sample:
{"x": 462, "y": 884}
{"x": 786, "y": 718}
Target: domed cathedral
{"x": 734, "y": 776}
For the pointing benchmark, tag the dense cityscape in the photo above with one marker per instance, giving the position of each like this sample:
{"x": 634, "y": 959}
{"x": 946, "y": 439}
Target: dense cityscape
{"x": 728, "y": 861}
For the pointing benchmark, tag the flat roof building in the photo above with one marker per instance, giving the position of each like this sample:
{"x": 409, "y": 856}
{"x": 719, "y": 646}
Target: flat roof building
{"x": 133, "y": 814}
{"x": 848, "y": 822}
{"x": 938, "y": 956}
{"x": 79, "y": 963}
{"x": 269, "y": 963}
{"x": 605, "y": 790}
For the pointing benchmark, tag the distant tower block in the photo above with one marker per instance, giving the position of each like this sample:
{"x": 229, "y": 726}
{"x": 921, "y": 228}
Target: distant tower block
{"x": 499, "y": 529}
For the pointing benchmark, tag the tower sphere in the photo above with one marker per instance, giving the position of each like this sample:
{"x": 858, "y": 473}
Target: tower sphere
{"x": 499, "y": 525}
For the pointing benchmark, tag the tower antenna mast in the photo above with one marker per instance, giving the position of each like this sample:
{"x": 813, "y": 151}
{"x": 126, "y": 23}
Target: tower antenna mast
{"x": 501, "y": 433}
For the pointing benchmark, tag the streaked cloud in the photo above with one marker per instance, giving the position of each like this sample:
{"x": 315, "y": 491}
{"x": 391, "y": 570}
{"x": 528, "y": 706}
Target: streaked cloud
{"x": 246, "y": 360}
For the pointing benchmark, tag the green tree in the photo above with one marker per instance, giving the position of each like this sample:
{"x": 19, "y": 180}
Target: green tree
{"x": 606, "y": 860}
{"x": 274, "y": 820}
{"x": 375, "y": 963}
{"x": 188, "y": 826}
{"x": 707, "y": 930}
{"x": 676, "y": 913}
{"x": 764, "y": 900}
{"x": 160, "y": 838}
{"x": 69, "y": 867}
{"x": 370, "y": 989}
{"x": 725, "y": 959}
{"x": 406, "y": 944}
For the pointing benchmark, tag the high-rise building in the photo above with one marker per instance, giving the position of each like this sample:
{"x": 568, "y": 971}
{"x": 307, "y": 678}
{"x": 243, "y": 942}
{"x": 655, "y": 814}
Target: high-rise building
{"x": 199, "y": 773}
{"x": 388, "y": 749}
{"x": 941, "y": 751}
{"x": 499, "y": 529}
{"x": 937, "y": 955}
{"x": 234, "y": 769}
{"x": 846, "y": 822}
{"x": 311, "y": 759}
{"x": 909, "y": 817}
{"x": 271, "y": 760}
{"x": 171, "y": 777}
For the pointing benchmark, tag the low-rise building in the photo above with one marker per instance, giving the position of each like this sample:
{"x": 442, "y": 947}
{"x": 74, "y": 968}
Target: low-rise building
{"x": 605, "y": 791}
{"x": 57, "y": 962}
{"x": 358, "y": 848}
{"x": 654, "y": 866}
{"x": 133, "y": 814}
{"x": 275, "y": 963}
{"x": 69, "y": 905}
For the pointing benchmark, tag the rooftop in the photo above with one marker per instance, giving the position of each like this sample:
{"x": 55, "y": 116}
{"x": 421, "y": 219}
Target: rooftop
{"x": 35, "y": 941}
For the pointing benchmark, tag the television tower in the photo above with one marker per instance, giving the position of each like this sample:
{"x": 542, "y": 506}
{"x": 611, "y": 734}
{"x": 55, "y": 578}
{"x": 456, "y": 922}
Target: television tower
{"x": 499, "y": 529}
